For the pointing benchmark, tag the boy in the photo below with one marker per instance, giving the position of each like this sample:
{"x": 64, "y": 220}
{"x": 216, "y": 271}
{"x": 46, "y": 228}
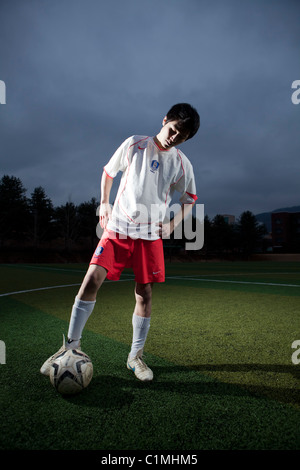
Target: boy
{"x": 153, "y": 168}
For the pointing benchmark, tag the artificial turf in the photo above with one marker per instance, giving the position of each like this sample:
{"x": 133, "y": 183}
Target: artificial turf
{"x": 220, "y": 353}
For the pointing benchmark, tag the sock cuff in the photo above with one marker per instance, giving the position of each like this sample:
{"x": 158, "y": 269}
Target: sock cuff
{"x": 140, "y": 322}
{"x": 83, "y": 303}
{"x": 81, "y": 311}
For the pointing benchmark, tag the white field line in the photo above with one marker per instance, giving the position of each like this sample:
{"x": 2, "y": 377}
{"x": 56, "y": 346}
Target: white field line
{"x": 232, "y": 282}
{"x": 52, "y": 287}
{"x": 167, "y": 277}
{"x": 37, "y": 289}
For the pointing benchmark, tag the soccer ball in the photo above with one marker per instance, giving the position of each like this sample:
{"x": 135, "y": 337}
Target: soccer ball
{"x": 71, "y": 372}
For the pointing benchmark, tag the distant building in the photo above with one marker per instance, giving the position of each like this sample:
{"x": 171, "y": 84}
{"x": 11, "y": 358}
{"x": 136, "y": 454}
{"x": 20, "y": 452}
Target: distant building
{"x": 286, "y": 232}
{"x": 229, "y": 219}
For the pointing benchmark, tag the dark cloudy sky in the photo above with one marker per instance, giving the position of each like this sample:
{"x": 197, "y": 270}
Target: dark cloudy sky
{"x": 83, "y": 75}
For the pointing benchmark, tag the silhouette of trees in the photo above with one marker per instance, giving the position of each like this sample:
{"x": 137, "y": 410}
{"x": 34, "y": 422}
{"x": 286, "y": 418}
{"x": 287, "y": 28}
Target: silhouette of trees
{"x": 77, "y": 222}
{"x": 67, "y": 223}
{"x": 13, "y": 209}
{"x": 88, "y": 221}
{"x": 240, "y": 239}
{"x": 249, "y": 233}
{"x": 41, "y": 216}
{"x": 222, "y": 235}
{"x": 36, "y": 221}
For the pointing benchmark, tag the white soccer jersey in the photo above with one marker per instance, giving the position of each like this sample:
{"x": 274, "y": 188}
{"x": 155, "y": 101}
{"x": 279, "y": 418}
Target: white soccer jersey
{"x": 150, "y": 177}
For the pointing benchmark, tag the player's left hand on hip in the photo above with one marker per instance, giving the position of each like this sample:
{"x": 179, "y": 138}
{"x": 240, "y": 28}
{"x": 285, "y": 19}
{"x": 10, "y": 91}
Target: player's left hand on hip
{"x": 164, "y": 230}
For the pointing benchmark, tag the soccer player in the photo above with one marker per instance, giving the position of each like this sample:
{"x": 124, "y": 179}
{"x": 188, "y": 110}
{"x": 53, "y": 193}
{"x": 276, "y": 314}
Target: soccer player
{"x": 153, "y": 168}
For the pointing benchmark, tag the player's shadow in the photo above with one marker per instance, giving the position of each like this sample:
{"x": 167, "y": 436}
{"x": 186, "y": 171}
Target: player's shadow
{"x": 111, "y": 392}
{"x": 240, "y": 387}
{"x": 277, "y": 368}
{"x": 104, "y": 391}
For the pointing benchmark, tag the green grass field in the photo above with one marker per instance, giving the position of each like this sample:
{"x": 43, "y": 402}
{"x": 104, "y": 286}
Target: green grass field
{"x": 220, "y": 347}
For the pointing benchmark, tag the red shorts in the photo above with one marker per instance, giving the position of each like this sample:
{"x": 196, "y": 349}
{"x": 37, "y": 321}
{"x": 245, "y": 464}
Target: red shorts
{"x": 146, "y": 257}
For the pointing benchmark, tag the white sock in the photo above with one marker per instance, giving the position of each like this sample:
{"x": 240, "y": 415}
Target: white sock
{"x": 141, "y": 327}
{"x": 81, "y": 311}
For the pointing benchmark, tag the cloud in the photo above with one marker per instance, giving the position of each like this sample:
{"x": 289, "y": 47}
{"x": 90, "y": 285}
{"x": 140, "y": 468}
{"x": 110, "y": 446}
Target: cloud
{"x": 83, "y": 76}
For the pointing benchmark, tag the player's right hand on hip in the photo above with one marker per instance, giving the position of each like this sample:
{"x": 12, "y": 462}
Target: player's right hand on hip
{"x": 104, "y": 214}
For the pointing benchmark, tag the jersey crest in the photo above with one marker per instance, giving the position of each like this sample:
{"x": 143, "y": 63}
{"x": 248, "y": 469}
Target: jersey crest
{"x": 154, "y": 166}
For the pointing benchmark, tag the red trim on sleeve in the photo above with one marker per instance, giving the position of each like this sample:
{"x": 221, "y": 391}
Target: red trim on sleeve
{"x": 107, "y": 174}
{"x": 193, "y": 196}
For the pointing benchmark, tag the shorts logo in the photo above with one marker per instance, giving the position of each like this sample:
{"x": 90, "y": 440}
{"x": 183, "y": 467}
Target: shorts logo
{"x": 99, "y": 251}
{"x": 154, "y": 166}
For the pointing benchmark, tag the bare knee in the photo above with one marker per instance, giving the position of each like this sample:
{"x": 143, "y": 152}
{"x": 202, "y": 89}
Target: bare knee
{"x": 92, "y": 282}
{"x": 143, "y": 291}
{"x": 143, "y": 297}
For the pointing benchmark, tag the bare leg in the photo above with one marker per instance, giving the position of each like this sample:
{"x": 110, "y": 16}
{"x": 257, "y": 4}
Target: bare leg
{"x": 141, "y": 324}
{"x": 141, "y": 317}
{"x": 85, "y": 301}
{"x": 143, "y": 298}
{"x": 92, "y": 282}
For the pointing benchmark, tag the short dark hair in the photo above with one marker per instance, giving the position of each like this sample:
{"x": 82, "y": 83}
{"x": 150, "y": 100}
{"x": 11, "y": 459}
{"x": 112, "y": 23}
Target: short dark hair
{"x": 188, "y": 118}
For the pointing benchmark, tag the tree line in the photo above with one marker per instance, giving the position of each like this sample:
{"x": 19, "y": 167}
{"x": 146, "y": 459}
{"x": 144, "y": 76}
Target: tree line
{"x": 227, "y": 240}
{"x": 34, "y": 221}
